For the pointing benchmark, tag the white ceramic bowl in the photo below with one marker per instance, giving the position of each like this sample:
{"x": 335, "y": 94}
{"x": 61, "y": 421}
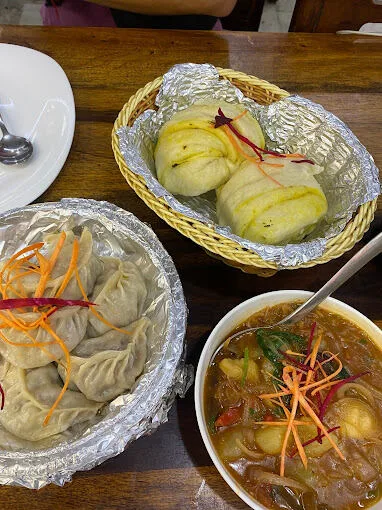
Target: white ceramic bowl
{"x": 225, "y": 326}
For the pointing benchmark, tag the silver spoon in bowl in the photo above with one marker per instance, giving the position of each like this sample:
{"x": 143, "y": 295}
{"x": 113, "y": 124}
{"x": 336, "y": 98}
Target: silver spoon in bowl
{"x": 361, "y": 258}
{"x": 13, "y": 149}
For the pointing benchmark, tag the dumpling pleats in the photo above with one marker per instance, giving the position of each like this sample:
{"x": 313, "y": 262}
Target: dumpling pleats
{"x": 107, "y": 373}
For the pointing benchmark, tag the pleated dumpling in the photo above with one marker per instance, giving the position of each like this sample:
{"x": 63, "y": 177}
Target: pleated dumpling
{"x": 274, "y": 202}
{"x": 104, "y": 367}
{"x": 192, "y": 156}
{"x": 88, "y": 265}
{"x": 29, "y": 395}
{"x": 119, "y": 293}
{"x": 68, "y": 323}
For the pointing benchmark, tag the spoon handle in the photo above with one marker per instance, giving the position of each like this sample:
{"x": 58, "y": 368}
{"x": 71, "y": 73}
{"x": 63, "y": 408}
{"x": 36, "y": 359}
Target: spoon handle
{"x": 3, "y": 126}
{"x": 368, "y": 252}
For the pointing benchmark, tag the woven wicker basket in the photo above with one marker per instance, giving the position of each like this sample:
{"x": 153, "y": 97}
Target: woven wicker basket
{"x": 217, "y": 246}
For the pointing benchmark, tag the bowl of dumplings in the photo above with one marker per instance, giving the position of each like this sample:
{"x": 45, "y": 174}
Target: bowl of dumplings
{"x": 91, "y": 337}
{"x": 213, "y": 176}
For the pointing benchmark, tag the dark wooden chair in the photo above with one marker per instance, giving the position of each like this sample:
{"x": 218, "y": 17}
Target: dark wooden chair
{"x": 245, "y": 16}
{"x": 334, "y": 15}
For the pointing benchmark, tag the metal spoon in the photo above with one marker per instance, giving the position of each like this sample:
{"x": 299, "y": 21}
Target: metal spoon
{"x": 368, "y": 252}
{"x": 13, "y": 149}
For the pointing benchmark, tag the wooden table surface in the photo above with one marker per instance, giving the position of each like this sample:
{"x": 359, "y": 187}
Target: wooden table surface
{"x": 171, "y": 468}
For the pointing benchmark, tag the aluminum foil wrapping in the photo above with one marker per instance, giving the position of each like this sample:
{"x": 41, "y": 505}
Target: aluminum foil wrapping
{"x": 115, "y": 233}
{"x": 350, "y": 177}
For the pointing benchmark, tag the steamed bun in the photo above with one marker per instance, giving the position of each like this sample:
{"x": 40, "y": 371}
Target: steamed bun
{"x": 272, "y": 204}
{"x": 192, "y": 156}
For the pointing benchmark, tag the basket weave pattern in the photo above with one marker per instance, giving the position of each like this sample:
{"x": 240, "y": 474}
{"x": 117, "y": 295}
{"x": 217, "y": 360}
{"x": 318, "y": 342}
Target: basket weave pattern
{"x": 216, "y": 245}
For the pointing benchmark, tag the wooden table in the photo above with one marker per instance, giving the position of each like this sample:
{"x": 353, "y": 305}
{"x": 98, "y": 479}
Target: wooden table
{"x": 171, "y": 468}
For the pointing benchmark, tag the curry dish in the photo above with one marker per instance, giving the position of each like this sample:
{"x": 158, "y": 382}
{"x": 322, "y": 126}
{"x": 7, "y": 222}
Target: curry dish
{"x": 294, "y": 412}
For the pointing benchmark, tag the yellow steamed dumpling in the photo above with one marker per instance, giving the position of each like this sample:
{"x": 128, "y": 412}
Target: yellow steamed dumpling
{"x": 274, "y": 202}
{"x": 193, "y": 157}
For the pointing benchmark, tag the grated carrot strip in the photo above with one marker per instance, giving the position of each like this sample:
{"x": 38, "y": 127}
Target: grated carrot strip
{"x": 292, "y": 353}
{"x": 93, "y": 311}
{"x": 51, "y": 263}
{"x": 71, "y": 268}
{"x": 319, "y": 424}
{"x": 35, "y": 246}
{"x": 235, "y": 143}
{"x": 297, "y": 440}
{"x": 280, "y": 423}
{"x": 313, "y": 358}
{"x": 239, "y": 116}
{"x": 68, "y": 372}
{"x": 295, "y": 401}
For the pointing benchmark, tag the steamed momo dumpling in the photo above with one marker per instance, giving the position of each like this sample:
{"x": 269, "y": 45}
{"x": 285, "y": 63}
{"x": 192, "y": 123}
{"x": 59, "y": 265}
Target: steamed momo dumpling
{"x": 29, "y": 396}
{"x": 192, "y": 156}
{"x": 88, "y": 265}
{"x": 105, "y": 367}
{"x": 280, "y": 208}
{"x": 69, "y": 324}
{"x": 120, "y": 294}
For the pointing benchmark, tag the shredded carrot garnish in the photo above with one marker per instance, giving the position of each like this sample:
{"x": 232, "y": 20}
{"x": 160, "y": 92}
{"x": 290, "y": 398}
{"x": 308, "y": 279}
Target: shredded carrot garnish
{"x": 92, "y": 309}
{"x": 303, "y": 386}
{"x": 235, "y": 143}
{"x": 51, "y": 263}
{"x": 27, "y": 249}
{"x": 293, "y": 383}
{"x": 71, "y": 268}
{"x": 68, "y": 371}
{"x": 280, "y": 423}
{"x": 239, "y": 116}
{"x": 313, "y": 358}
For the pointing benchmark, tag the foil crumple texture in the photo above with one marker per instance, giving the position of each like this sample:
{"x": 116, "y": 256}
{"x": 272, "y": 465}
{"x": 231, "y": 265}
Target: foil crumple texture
{"x": 115, "y": 233}
{"x": 294, "y": 124}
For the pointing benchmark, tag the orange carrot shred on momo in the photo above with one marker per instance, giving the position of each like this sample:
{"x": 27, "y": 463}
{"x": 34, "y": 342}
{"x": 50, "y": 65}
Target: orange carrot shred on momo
{"x": 71, "y": 268}
{"x": 51, "y": 263}
{"x": 68, "y": 371}
{"x": 93, "y": 311}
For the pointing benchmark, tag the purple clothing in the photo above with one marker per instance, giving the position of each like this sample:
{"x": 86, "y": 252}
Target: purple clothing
{"x": 76, "y": 13}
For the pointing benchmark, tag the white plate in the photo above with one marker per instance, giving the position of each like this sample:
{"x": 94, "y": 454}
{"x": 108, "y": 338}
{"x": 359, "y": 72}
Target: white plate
{"x": 36, "y": 101}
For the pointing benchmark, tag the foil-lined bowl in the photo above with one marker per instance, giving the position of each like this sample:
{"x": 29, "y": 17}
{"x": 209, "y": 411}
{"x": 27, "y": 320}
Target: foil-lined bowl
{"x": 290, "y": 124}
{"x": 115, "y": 233}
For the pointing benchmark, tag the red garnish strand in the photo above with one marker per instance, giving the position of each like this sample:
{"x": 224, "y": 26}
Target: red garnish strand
{"x": 303, "y": 161}
{"x": 298, "y": 364}
{"x": 2, "y": 398}
{"x": 222, "y": 120}
{"x": 333, "y": 390}
{"x": 311, "y": 336}
{"x": 314, "y": 439}
{"x": 9, "y": 304}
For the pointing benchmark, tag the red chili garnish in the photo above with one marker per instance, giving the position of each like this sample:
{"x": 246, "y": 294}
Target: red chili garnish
{"x": 296, "y": 363}
{"x": 222, "y": 120}
{"x": 303, "y": 161}
{"x": 311, "y": 336}
{"x": 314, "y": 439}
{"x": 2, "y": 398}
{"x": 9, "y": 304}
{"x": 229, "y": 417}
{"x": 333, "y": 390}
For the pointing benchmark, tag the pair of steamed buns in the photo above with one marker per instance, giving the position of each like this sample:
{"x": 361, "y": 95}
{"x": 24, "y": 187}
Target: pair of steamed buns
{"x": 275, "y": 202}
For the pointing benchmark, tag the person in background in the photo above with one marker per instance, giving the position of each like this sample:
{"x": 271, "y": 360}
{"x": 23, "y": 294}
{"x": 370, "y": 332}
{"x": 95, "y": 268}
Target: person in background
{"x": 169, "y": 14}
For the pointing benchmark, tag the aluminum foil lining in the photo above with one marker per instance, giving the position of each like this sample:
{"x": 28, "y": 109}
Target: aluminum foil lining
{"x": 350, "y": 177}
{"x": 115, "y": 233}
